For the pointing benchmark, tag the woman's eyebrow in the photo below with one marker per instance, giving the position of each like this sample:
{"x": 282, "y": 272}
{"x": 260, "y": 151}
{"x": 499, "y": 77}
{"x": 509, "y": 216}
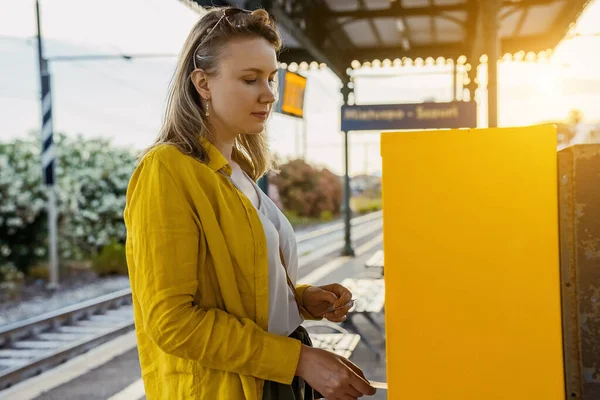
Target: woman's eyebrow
{"x": 257, "y": 70}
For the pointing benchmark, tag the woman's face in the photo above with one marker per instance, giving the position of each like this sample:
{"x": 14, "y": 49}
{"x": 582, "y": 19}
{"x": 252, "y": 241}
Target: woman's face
{"x": 242, "y": 91}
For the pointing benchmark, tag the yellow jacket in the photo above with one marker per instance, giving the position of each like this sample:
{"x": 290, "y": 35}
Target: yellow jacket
{"x": 196, "y": 253}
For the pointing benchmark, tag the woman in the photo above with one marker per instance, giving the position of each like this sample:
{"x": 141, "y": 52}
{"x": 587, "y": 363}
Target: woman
{"x": 212, "y": 261}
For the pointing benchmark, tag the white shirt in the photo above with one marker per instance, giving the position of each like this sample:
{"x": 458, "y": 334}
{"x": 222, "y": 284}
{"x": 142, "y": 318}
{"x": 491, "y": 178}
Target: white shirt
{"x": 284, "y": 317}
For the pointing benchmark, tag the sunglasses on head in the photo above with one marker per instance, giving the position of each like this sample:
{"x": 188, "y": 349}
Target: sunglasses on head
{"x": 227, "y": 13}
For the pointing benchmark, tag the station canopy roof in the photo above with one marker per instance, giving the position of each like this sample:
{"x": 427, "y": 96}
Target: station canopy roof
{"x": 336, "y": 32}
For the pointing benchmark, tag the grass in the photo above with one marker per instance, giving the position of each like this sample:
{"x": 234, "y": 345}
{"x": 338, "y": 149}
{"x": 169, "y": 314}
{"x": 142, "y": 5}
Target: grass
{"x": 363, "y": 205}
{"x": 359, "y": 204}
{"x": 298, "y": 221}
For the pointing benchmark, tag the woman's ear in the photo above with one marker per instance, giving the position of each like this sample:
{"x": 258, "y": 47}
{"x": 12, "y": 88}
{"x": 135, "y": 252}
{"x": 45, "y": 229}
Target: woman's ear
{"x": 200, "y": 81}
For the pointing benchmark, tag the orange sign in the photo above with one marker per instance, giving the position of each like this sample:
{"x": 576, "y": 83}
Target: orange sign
{"x": 292, "y": 101}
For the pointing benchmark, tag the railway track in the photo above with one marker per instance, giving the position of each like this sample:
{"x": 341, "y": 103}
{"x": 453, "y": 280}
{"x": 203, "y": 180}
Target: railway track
{"x": 32, "y": 346}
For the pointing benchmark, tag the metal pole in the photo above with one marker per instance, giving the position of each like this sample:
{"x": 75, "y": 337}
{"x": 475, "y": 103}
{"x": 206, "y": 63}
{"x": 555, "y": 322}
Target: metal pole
{"x": 48, "y": 155}
{"x": 454, "y": 81}
{"x": 347, "y": 250}
{"x": 493, "y": 53}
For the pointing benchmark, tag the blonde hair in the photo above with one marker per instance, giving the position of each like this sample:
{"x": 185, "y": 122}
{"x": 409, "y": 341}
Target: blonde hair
{"x": 184, "y": 121}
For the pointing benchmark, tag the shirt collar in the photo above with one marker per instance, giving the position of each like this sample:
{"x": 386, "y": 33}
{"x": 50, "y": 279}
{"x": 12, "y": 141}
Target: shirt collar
{"x": 216, "y": 160}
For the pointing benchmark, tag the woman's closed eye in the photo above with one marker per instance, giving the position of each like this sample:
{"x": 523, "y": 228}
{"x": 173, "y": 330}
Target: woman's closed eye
{"x": 253, "y": 81}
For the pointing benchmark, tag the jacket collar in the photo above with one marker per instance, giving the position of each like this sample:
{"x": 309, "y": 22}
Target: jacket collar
{"x": 216, "y": 160}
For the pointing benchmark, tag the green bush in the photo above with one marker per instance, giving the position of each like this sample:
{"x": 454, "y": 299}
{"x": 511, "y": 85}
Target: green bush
{"x": 308, "y": 191}
{"x": 111, "y": 260}
{"x": 297, "y": 220}
{"x": 91, "y": 183}
{"x": 11, "y": 280}
{"x": 23, "y": 223}
{"x": 363, "y": 205}
{"x": 326, "y": 216}
{"x": 40, "y": 271}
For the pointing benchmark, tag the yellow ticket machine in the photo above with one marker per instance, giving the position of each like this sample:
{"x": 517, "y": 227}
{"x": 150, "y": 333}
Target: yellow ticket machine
{"x": 471, "y": 244}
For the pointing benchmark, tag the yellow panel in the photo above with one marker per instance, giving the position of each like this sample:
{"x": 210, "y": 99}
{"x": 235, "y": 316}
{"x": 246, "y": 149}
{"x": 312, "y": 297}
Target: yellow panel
{"x": 293, "y": 94}
{"x": 472, "y": 264}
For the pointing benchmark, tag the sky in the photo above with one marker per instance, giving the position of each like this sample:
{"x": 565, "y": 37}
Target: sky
{"x": 124, "y": 100}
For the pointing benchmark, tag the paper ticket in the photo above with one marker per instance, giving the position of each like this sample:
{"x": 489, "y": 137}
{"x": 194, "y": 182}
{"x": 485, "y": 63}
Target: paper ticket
{"x": 379, "y": 385}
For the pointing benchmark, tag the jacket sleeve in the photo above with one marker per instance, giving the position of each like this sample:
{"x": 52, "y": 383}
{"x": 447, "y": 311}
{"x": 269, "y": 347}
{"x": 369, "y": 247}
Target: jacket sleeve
{"x": 163, "y": 257}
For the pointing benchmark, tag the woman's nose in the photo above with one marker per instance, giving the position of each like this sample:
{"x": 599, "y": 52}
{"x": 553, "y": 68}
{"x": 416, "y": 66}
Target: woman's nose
{"x": 269, "y": 95}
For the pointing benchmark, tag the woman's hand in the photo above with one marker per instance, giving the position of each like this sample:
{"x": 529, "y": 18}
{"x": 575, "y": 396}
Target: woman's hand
{"x": 333, "y": 376}
{"x": 318, "y": 300}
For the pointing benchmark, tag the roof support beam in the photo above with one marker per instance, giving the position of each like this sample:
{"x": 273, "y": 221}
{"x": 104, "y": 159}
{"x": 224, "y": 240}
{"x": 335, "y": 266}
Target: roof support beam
{"x": 432, "y": 24}
{"x": 212, "y": 3}
{"x": 290, "y": 55}
{"x": 405, "y": 34}
{"x": 449, "y": 50}
{"x": 372, "y": 25}
{"x": 397, "y": 10}
{"x": 474, "y": 36}
{"x": 522, "y": 19}
{"x": 391, "y": 53}
{"x": 475, "y": 31}
{"x": 569, "y": 13}
{"x": 533, "y": 43}
{"x": 332, "y": 28}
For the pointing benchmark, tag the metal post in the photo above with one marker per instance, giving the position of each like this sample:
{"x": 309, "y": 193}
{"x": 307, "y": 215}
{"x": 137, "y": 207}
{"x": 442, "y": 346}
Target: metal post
{"x": 48, "y": 156}
{"x": 493, "y": 52}
{"x": 454, "y": 81}
{"x": 347, "y": 250}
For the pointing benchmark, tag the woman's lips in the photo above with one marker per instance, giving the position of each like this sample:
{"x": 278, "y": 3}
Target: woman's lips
{"x": 261, "y": 115}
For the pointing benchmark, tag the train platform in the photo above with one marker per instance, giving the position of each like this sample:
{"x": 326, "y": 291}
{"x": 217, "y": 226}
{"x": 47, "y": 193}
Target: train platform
{"x": 111, "y": 371}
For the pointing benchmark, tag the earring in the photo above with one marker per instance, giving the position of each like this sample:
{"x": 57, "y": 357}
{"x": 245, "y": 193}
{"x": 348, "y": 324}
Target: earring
{"x": 207, "y": 113}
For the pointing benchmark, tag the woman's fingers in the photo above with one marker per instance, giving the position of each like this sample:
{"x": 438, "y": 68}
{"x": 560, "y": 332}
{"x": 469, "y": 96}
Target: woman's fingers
{"x": 363, "y": 383}
{"x": 329, "y": 374}
{"x": 339, "y": 314}
{"x": 354, "y": 367}
{"x": 344, "y": 310}
{"x": 353, "y": 393}
{"x": 343, "y": 294}
{"x": 331, "y": 317}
